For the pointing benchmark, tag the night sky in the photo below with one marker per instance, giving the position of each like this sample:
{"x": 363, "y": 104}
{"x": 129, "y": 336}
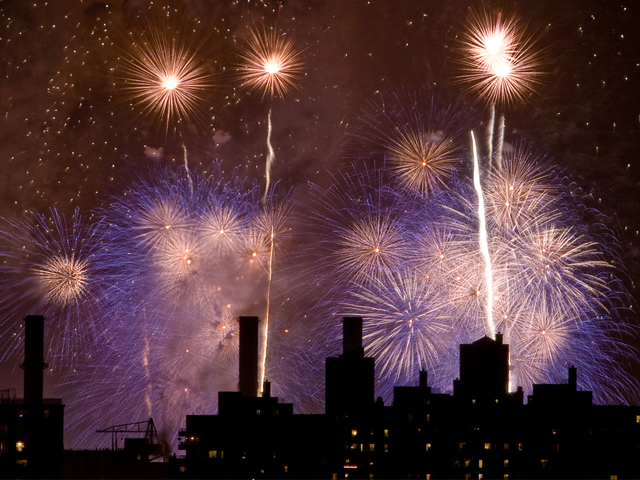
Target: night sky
{"x": 71, "y": 139}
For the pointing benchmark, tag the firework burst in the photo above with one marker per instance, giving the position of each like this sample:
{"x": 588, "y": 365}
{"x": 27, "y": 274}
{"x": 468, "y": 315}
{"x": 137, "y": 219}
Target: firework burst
{"x": 56, "y": 269}
{"x": 272, "y": 64}
{"x": 163, "y": 74}
{"x": 499, "y": 62}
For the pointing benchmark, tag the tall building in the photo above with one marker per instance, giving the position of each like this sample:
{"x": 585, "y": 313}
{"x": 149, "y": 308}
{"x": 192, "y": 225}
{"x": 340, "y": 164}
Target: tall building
{"x": 481, "y": 431}
{"x": 31, "y": 428}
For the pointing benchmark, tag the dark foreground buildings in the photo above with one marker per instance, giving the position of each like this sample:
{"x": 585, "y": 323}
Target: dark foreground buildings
{"x": 31, "y": 427}
{"x": 481, "y": 431}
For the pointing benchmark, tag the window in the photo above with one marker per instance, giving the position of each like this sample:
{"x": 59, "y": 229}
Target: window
{"x": 480, "y": 463}
{"x": 257, "y": 412}
{"x": 372, "y": 447}
{"x": 334, "y": 476}
{"x": 428, "y": 417}
{"x": 555, "y": 431}
{"x": 480, "y": 476}
{"x": 213, "y": 454}
{"x": 614, "y": 477}
{"x": 487, "y": 446}
{"x": 505, "y": 476}
{"x": 506, "y": 462}
{"x": 467, "y": 462}
{"x": 409, "y": 417}
{"x": 386, "y": 433}
{"x": 637, "y": 418}
{"x": 45, "y": 414}
{"x": 520, "y": 448}
{"x": 428, "y": 447}
{"x": 21, "y": 462}
{"x": 354, "y": 446}
{"x": 354, "y": 433}
{"x": 276, "y": 412}
{"x": 386, "y": 448}
{"x": 544, "y": 462}
{"x": 467, "y": 476}
{"x": 506, "y": 446}
{"x": 461, "y": 445}
{"x": 19, "y": 446}
{"x": 556, "y": 447}
{"x": 183, "y": 468}
{"x": 473, "y": 401}
{"x": 286, "y": 469}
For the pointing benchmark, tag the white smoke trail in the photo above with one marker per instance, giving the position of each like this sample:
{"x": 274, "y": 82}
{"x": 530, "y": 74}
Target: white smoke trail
{"x": 484, "y": 245}
{"x": 271, "y": 156}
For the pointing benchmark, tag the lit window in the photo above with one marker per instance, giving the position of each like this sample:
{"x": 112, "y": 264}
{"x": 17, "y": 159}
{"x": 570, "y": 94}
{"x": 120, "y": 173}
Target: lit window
{"x": 19, "y": 446}
{"x": 554, "y": 431}
{"x": 354, "y": 433}
{"x": 480, "y": 476}
{"x": 520, "y": 448}
{"x": 428, "y": 447}
{"x": 480, "y": 463}
{"x": 461, "y": 445}
{"x": 354, "y": 446}
{"x": 286, "y": 469}
{"x": 221, "y": 454}
{"x": 386, "y": 448}
{"x": 637, "y": 418}
{"x": 257, "y": 412}
{"x": 467, "y": 476}
{"x": 428, "y": 417}
{"x": 496, "y": 400}
{"x": 372, "y": 447}
{"x": 334, "y": 476}
{"x": 467, "y": 462}
{"x": 505, "y": 476}
{"x": 544, "y": 462}
{"x": 506, "y": 462}
{"x": 473, "y": 401}
{"x": 183, "y": 468}
{"x": 386, "y": 433}
{"x": 276, "y": 412}
{"x": 556, "y": 447}
{"x": 506, "y": 446}
{"x": 614, "y": 477}
{"x": 487, "y": 446}
{"x": 428, "y": 476}
{"x": 22, "y": 462}
{"x": 213, "y": 454}
{"x": 45, "y": 414}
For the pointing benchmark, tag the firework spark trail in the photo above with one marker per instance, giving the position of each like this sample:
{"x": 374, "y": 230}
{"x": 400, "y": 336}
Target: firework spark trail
{"x": 500, "y": 145}
{"x": 186, "y": 166}
{"x": 490, "y": 129}
{"x": 271, "y": 156}
{"x": 484, "y": 245}
{"x": 265, "y": 341}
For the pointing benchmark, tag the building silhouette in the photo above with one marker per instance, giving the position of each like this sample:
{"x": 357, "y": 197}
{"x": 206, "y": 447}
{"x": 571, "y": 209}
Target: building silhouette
{"x": 31, "y": 428}
{"x": 481, "y": 431}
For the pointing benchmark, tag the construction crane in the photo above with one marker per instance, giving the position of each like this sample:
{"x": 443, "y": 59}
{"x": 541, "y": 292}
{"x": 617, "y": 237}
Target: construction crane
{"x": 148, "y": 428}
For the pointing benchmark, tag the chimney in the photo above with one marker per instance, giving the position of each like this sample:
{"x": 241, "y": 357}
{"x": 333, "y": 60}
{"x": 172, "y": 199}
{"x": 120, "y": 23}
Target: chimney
{"x": 266, "y": 389}
{"x": 352, "y": 336}
{"x": 33, "y": 359}
{"x": 499, "y": 338}
{"x": 573, "y": 378}
{"x": 423, "y": 379}
{"x": 248, "y": 374}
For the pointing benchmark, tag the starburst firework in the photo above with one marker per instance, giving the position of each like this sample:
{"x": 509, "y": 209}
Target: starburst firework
{"x": 272, "y": 63}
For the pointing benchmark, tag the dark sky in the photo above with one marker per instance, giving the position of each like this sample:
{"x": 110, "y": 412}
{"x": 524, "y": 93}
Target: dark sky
{"x": 70, "y": 139}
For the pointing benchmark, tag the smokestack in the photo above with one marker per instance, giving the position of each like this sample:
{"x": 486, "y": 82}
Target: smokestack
{"x": 573, "y": 378}
{"x": 423, "y": 379}
{"x": 266, "y": 389}
{"x": 33, "y": 359}
{"x": 352, "y": 336}
{"x": 248, "y": 374}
